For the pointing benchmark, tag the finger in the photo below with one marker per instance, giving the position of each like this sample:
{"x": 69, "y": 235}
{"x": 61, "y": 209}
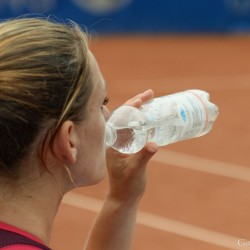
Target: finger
{"x": 146, "y": 153}
{"x": 147, "y": 95}
{"x": 140, "y": 98}
{"x": 135, "y": 103}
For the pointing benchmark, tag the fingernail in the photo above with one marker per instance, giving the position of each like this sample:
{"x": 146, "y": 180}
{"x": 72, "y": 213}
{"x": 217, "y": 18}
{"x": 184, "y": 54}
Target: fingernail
{"x": 153, "y": 148}
{"x": 147, "y": 91}
{"x": 138, "y": 100}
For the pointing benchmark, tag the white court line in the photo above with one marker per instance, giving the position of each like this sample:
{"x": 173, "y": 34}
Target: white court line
{"x": 160, "y": 223}
{"x": 201, "y": 164}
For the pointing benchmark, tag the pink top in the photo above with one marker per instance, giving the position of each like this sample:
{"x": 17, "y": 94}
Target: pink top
{"x": 21, "y": 232}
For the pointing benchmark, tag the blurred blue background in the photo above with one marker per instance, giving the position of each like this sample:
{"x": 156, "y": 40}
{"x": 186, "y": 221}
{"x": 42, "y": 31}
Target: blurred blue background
{"x": 140, "y": 16}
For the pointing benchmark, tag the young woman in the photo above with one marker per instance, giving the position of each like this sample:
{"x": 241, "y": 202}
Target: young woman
{"x": 52, "y": 137}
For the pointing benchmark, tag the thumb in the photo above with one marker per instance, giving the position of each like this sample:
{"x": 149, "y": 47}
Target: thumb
{"x": 147, "y": 152}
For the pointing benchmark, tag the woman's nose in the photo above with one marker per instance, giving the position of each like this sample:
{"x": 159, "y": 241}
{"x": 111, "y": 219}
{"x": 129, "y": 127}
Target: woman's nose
{"x": 106, "y": 113}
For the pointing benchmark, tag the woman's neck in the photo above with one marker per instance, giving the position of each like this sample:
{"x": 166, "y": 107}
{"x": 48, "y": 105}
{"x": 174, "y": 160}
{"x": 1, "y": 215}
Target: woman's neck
{"x": 33, "y": 209}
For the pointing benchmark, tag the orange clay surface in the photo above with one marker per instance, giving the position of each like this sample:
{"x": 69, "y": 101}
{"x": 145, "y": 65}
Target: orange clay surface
{"x": 198, "y": 193}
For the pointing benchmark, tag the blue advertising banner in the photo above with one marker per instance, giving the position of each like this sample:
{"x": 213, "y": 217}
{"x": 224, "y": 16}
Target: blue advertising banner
{"x": 140, "y": 16}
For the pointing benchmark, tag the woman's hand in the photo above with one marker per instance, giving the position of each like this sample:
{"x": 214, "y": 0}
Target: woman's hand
{"x": 139, "y": 99}
{"x": 127, "y": 173}
{"x": 114, "y": 226}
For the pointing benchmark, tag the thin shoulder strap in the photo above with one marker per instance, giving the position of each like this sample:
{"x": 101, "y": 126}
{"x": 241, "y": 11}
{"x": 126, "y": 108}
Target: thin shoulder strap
{"x": 8, "y": 238}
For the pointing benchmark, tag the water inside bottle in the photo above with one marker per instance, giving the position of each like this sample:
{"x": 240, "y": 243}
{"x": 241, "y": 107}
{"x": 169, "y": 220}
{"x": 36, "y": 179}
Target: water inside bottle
{"x": 130, "y": 140}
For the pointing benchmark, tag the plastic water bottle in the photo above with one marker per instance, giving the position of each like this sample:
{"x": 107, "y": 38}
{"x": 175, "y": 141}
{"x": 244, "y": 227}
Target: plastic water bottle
{"x": 164, "y": 120}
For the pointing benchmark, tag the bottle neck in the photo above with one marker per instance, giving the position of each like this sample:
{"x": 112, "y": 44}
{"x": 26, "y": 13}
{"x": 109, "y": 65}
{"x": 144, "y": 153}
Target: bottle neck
{"x": 111, "y": 135}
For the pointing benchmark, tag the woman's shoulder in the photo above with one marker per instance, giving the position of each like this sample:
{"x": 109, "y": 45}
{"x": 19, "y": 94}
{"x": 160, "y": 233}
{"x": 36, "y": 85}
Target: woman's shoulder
{"x": 12, "y": 238}
{"x": 20, "y": 247}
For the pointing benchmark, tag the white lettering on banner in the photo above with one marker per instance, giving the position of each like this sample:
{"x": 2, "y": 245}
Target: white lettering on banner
{"x": 17, "y": 6}
{"x": 101, "y": 6}
{"x": 243, "y": 243}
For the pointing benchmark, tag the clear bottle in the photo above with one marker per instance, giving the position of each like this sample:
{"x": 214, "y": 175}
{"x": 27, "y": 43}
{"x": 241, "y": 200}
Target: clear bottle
{"x": 163, "y": 120}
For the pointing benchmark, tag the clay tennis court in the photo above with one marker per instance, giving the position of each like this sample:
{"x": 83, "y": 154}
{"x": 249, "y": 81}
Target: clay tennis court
{"x": 198, "y": 194}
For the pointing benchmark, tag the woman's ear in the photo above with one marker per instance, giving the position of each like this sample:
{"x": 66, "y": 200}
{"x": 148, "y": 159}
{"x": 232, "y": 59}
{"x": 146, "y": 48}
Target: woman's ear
{"x": 65, "y": 143}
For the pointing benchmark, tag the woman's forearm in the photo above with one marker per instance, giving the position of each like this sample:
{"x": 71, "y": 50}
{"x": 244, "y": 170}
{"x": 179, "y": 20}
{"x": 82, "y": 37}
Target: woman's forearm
{"x": 114, "y": 226}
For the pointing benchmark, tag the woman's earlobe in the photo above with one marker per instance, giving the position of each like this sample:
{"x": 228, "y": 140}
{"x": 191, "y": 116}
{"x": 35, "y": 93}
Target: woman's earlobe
{"x": 73, "y": 155}
{"x": 65, "y": 143}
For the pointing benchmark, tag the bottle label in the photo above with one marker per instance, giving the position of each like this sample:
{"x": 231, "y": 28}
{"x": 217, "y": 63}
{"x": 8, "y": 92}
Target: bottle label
{"x": 176, "y": 117}
{"x": 193, "y": 111}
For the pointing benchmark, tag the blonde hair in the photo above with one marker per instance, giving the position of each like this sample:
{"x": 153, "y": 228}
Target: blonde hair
{"x": 45, "y": 78}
